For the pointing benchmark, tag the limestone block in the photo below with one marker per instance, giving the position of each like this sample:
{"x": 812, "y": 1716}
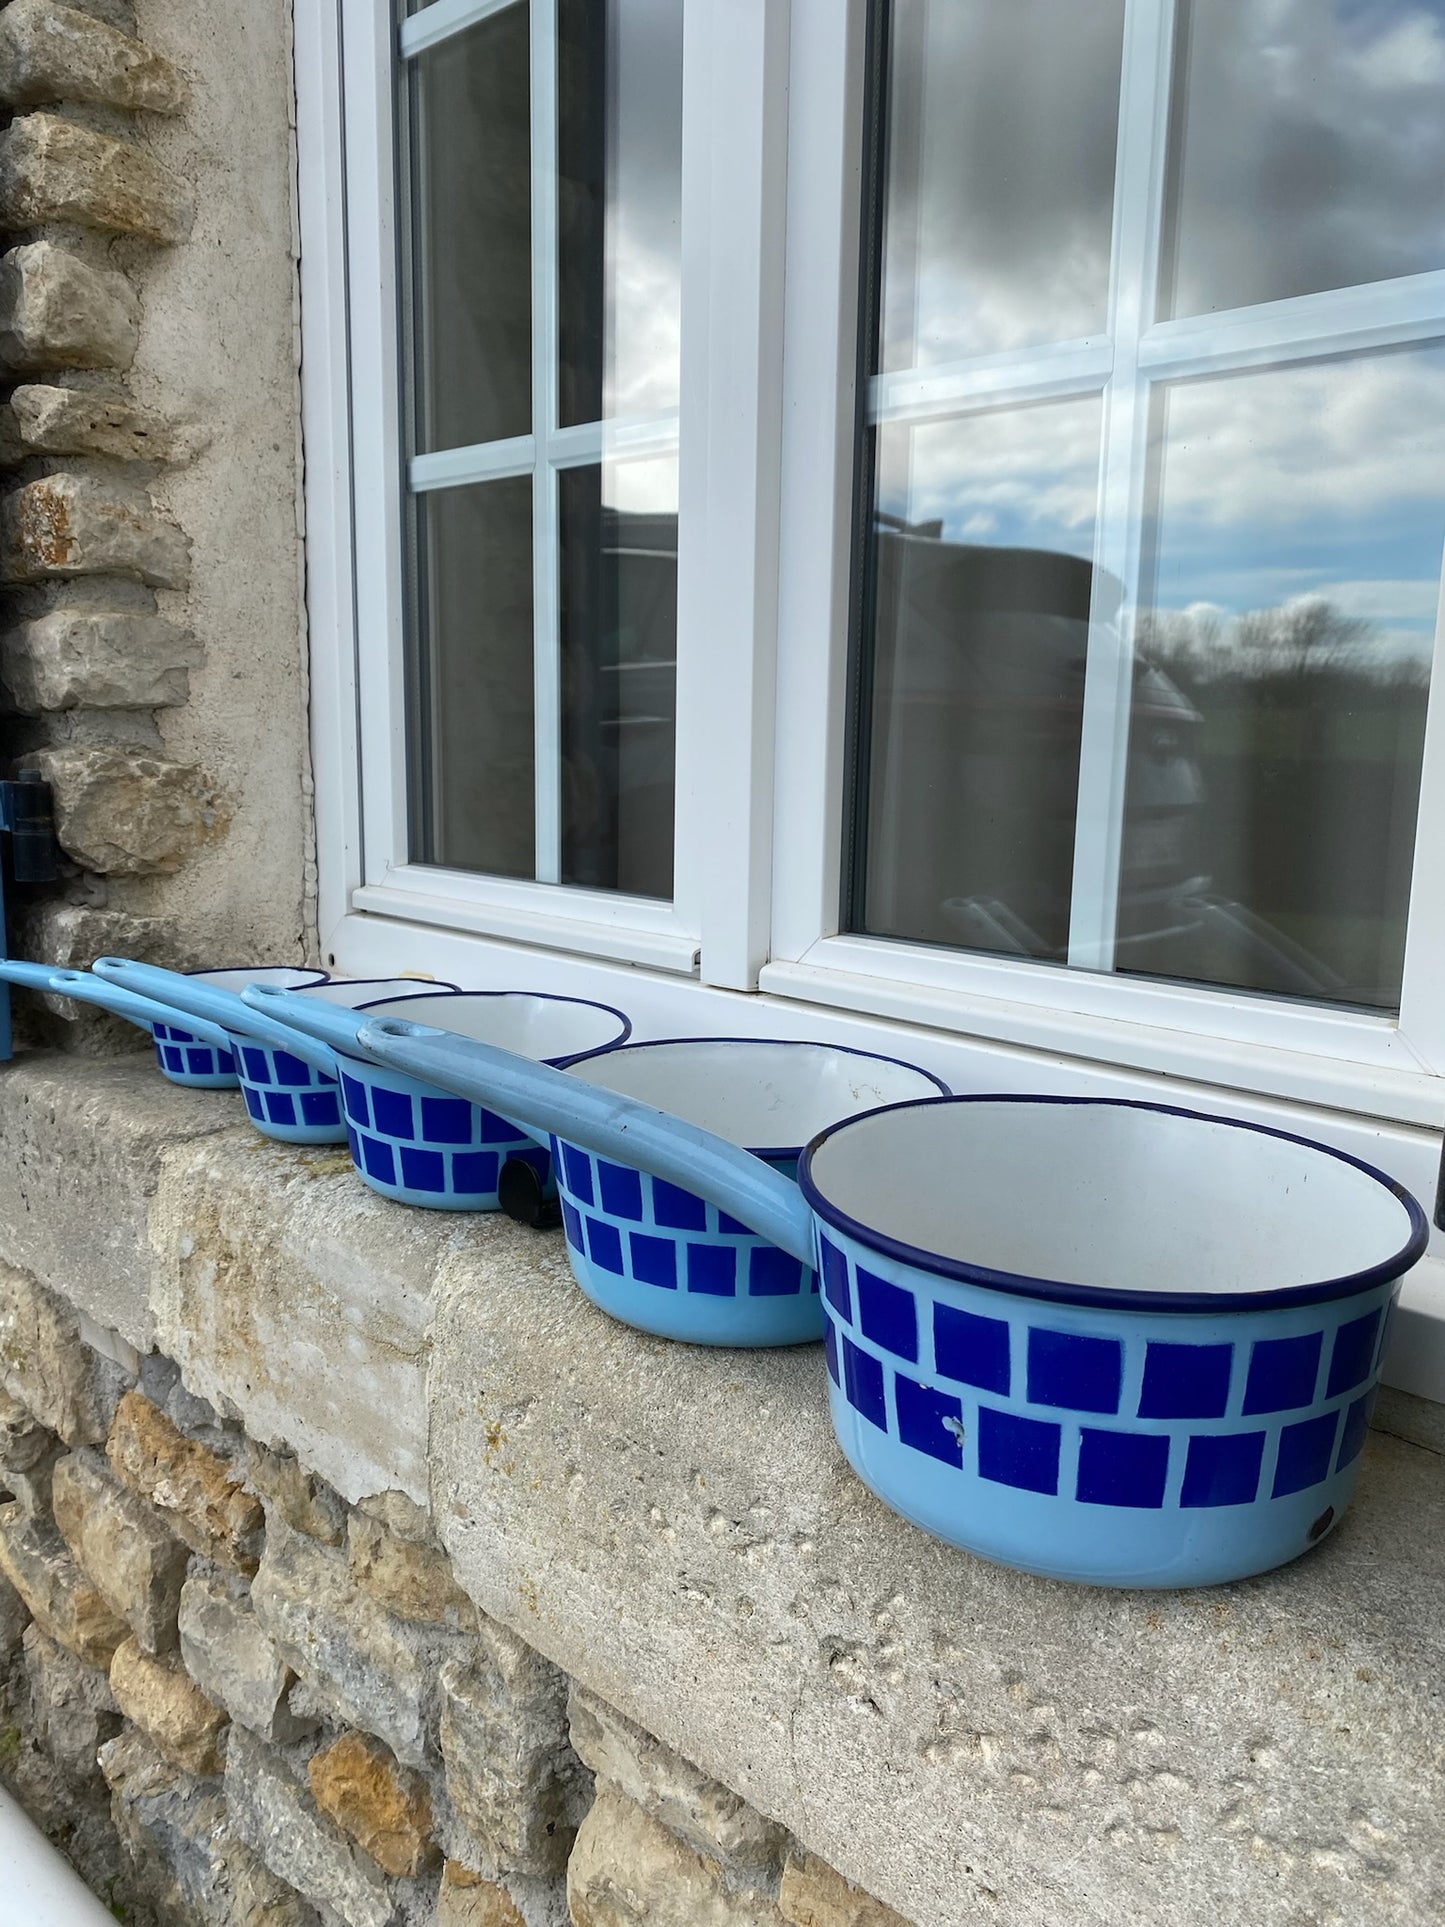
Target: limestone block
{"x": 304, "y": 1501}
{"x": 200, "y": 1495}
{"x": 13, "y": 448}
{"x": 57, "y": 311}
{"x": 369, "y": 1668}
{"x": 31, "y": 1488}
{"x": 813, "y": 1894}
{"x": 50, "y": 53}
{"x": 54, "y": 170}
{"x": 169, "y": 1707}
{"x": 400, "y": 1515}
{"x": 409, "y": 1578}
{"x": 234, "y": 1660}
{"x": 23, "y": 1441}
{"x": 708, "y": 1815}
{"x": 116, "y": 660}
{"x": 125, "y": 812}
{"x": 95, "y": 421}
{"x": 14, "y": 1618}
{"x": 71, "y": 1705}
{"x": 386, "y": 1808}
{"x": 511, "y": 1774}
{"x": 61, "y": 1600}
{"x": 465, "y": 1899}
{"x": 178, "y": 1832}
{"x": 72, "y": 525}
{"x": 627, "y": 1869}
{"x": 135, "y": 1563}
{"x": 63, "y": 1384}
{"x": 273, "y": 1812}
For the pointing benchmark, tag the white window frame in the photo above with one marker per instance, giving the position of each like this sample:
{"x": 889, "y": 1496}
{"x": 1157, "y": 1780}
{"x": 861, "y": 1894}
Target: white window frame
{"x": 751, "y": 943}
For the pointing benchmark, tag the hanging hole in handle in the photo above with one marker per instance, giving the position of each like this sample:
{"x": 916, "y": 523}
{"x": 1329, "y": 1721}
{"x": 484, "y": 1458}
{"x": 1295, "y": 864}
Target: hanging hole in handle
{"x": 521, "y": 1194}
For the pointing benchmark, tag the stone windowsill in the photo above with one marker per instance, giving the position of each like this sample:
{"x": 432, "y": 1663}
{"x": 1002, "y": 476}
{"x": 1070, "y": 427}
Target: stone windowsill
{"x": 674, "y": 1527}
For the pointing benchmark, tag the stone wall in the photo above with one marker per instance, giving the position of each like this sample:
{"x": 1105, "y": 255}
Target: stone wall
{"x": 234, "y": 1699}
{"x": 151, "y": 665}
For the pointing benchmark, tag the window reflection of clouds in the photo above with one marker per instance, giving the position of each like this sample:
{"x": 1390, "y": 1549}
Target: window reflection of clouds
{"x": 1308, "y": 149}
{"x": 1315, "y": 481}
{"x": 1001, "y": 174}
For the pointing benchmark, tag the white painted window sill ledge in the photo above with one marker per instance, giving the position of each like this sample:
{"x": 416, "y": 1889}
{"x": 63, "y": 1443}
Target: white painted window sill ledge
{"x": 675, "y": 1527}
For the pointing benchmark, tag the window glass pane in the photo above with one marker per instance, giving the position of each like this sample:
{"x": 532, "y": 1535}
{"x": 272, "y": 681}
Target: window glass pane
{"x": 999, "y": 166}
{"x": 1307, "y": 148}
{"x": 470, "y": 265}
{"x": 619, "y": 84}
{"x": 471, "y": 710}
{"x": 1292, "y": 575}
{"x": 972, "y": 678}
{"x": 619, "y": 674}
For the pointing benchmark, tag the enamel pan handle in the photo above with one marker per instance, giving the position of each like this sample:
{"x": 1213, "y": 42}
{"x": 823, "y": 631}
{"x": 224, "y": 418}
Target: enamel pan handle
{"x": 331, "y": 1024}
{"x": 87, "y": 989}
{"x": 192, "y": 998}
{"x": 542, "y": 1099}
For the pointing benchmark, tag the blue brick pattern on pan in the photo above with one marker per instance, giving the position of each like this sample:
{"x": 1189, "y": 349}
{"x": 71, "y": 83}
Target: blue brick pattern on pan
{"x": 713, "y": 1269}
{"x": 773, "y": 1274}
{"x": 830, "y": 1352}
{"x": 428, "y": 1143}
{"x": 1075, "y": 1373}
{"x": 835, "y": 1280}
{"x": 1352, "y": 1434}
{"x": 621, "y": 1190}
{"x": 887, "y": 1314}
{"x": 1282, "y": 1374}
{"x": 1352, "y": 1354}
{"x": 928, "y": 1420}
{"x": 1185, "y": 1381}
{"x": 863, "y": 1384}
{"x": 1222, "y": 1469}
{"x": 180, "y": 1054}
{"x": 654, "y": 1260}
{"x": 604, "y": 1244}
{"x": 354, "y": 1097}
{"x": 446, "y": 1120}
{"x": 1023, "y": 1452}
{"x": 1305, "y": 1451}
{"x": 679, "y": 1210}
{"x": 971, "y": 1349}
{"x": 1122, "y": 1468}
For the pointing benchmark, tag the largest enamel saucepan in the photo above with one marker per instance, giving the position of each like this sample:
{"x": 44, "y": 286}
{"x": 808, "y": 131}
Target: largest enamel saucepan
{"x": 1101, "y": 1341}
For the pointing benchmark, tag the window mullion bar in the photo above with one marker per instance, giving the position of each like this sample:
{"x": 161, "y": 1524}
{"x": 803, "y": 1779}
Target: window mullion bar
{"x": 442, "y": 19}
{"x": 1108, "y": 679}
{"x": 546, "y": 619}
{"x": 481, "y": 462}
{"x": 992, "y": 381}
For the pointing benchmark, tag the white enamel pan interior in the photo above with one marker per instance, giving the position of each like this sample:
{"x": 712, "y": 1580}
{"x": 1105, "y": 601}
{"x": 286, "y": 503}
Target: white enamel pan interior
{"x": 531, "y": 1025}
{"x": 766, "y": 1095}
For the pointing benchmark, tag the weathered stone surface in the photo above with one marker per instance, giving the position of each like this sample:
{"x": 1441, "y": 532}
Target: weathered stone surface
{"x": 409, "y": 1578}
{"x": 24, "y": 1441}
{"x": 125, "y": 812}
{"x": 386, "y": 1808}
{"x": 627, "y": 1870}
{"x": 706, "y": 1814}
{"x": 54, "y": 170}
{"x": 71, "y": 525}
{"x": 234, "y": 1661}
{"x": 59, "y": 312}
{"x": 71, "y": 1704}
{"x": 14, "y": 1618}
{"x": 813, "y": 1894}
{"x": 50, "y": 53}
{"x": 273, "y": 1812}
{"x": 31, "y": 1489}
{"x": 194, "y": 1868}
{"x": 169, "y": 1708}
{"x": 511, "y": 1774}
{"x": 43, "y": 1364}
{"x": 59, "y": 1597}
{"x": 96, "y": 421}
{"x": 199, "y": 1494}
{"x": 135, "y": 1564}
{"x": 84, "y": 1142}
{"x": 371, "y": 1669}
{"x": 120, "y": 660}
{"x": 465, "y": 1899}
{"x": 304, "y": 1501}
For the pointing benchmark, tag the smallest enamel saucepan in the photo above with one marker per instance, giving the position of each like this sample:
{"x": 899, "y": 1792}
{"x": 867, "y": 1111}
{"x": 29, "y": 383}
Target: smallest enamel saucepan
{"x": 1098, "y": 1340}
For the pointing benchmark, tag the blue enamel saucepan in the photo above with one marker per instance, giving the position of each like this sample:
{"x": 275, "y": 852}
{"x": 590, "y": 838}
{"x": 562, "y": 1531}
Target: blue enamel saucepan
{"x": 409, "y": 1140}
{"x": 199, "y": 1057}
{"x": 1098, "y": 1340}
{"x": 659, "y": 1256}
{"x": 289, "y": 1084}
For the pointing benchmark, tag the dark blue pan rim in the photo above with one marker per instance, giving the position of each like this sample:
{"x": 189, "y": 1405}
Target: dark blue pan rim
{"x": 1060, "y": 1291}
{"x": 545, "y": 996}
